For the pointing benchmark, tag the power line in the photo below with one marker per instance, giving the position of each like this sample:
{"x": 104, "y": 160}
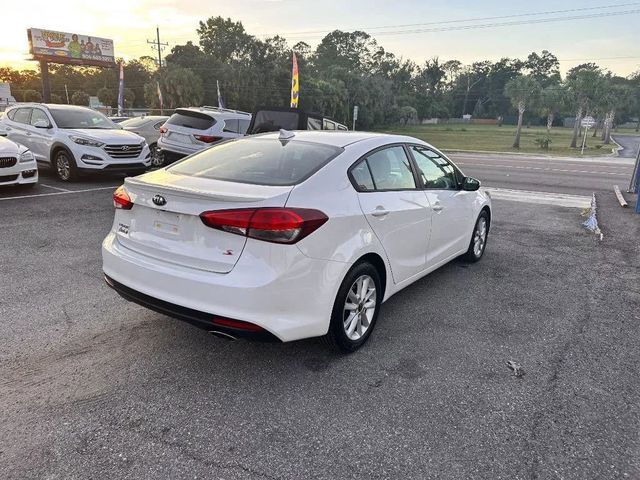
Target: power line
{"x": 466, "y": 20}
{"x": 505, "y": 24}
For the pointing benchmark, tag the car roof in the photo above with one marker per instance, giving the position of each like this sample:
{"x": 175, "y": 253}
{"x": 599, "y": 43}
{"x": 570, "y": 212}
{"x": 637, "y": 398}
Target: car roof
{"x": 342, "y": 139}
{"x": 214, "y": 112}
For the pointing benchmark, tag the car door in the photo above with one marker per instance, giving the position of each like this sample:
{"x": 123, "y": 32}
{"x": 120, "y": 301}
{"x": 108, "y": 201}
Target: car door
{"x": 39, "y": 139}
{"x": 397, "y": 211}
{"x": 452, "y": 206}
{"x": 17, "y": 125}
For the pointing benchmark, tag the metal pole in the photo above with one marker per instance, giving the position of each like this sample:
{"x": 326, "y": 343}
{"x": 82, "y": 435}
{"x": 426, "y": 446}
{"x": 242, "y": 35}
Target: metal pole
{"x": 584, "y": 140}
{"x": 46, "y": 86}
{"x": 159, "y": 49}
{"x": 635, "y": 177}
{"x": 66, "y": 90}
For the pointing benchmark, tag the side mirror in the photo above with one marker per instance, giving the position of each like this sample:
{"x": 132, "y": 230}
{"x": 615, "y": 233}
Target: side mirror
{"x": 470, "y": 184}
{"x": 42, "y": 124}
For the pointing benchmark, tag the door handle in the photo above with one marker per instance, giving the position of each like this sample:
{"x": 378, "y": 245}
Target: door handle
{"x": 28, "y": 134}
{"x": 380, "y": 212}
{"x": 437, "y": 208}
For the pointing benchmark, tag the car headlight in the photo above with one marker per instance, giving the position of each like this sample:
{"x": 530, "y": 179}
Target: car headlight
{"x": 26, "y": 156}
{"x": 86, "y": 141}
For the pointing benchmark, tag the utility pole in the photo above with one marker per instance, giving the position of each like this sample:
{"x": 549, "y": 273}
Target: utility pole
{"x": 46, "y": 86}
{"x": 159, "y": 46}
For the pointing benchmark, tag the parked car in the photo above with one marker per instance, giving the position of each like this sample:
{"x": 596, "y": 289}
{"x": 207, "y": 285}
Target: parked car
{"x": 190, "y": 130}
{"x": 17, "y": 164}
{"x": 292, "y": 235}
{"x": 74, "y": 139}
{"x": 148, "y": 127}
{"x": 119, "y": 119}
{"x": 272, "y": 119}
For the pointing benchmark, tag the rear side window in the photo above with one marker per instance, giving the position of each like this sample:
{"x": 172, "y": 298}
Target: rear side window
{"x": 362, "y": 176}
{"x": 195, "y": 120}
{"x": 236, "y": 125}
{"x": 391, "y": 170}
{"x": 11, "y": 113}
{"x": 22, "y": 115}
{"x": 258, "y": 161}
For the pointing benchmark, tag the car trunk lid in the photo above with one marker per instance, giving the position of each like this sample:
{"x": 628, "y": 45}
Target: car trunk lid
{"x": 165, "y": 223}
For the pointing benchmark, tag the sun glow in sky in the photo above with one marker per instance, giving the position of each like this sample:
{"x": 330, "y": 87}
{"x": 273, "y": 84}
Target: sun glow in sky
{"x": 612, "y": 42}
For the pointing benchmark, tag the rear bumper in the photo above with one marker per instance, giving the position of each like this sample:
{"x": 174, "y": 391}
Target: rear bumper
{"x": 201, "y": 320}
{"x": 276, "y": 287}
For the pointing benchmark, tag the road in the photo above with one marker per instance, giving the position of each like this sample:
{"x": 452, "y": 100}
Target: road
{"x": 94, "y": 387}
{"x": 629, "y": 144}
{"x": 571, "y": 176}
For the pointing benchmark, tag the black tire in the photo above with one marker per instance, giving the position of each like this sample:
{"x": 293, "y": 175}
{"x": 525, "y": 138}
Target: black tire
{"x": 474, "y": 254}
{"x": 337, "y": 336}
{"x": 64, "y": 166}
{"x": 157, "y": 157}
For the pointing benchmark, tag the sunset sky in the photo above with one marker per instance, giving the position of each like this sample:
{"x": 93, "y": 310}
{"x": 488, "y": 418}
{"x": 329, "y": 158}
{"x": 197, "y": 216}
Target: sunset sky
{"x": 611, "y": 41}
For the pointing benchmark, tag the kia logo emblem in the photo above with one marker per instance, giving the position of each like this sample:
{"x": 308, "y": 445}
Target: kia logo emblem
{"x": 125, "y": 148}
{"x": 159, "y": 200}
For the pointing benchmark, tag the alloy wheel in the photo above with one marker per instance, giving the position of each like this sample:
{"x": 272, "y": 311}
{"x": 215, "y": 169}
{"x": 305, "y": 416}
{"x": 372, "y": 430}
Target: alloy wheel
{"x": 63, "y": 168}
{"x": 359, "y": 307}
{"x": 480, "y": 237}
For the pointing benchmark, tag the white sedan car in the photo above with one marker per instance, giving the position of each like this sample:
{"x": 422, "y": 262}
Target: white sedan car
{"x": 292, "y": 235}
{"x": 17, "y": 164}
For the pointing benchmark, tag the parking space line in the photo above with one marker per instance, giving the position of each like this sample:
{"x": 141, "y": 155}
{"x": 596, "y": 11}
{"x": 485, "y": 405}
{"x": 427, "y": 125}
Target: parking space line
{"x": 541, "y": 198}
{"x": 68, "y": 192}
{"x": 55, "y": 188}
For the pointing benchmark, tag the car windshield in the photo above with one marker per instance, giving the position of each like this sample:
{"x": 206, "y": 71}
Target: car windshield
{"x": 259, "y": 161}
{"x": 80, "y": 118}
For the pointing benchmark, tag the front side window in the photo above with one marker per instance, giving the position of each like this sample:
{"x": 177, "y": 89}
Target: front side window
{"x": 39, "y": 116}
{"x": 434, "y": 170}
{"x": 22, "y": 115}
{"x": 79, "y": 117}
{"x": 259, "y": 161}
{"x": 391, "y": 170}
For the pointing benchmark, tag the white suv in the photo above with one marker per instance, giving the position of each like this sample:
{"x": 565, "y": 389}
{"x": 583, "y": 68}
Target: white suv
{"x": 190, "y": 130}
{"x": 74, "y": 139}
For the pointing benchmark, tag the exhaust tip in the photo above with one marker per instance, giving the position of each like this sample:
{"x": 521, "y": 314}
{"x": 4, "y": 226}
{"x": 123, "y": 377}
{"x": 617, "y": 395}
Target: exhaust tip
{"x": 224, "y": 335}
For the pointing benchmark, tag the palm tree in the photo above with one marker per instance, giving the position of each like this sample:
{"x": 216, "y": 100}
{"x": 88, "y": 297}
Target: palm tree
{"x": 523, "y": 91}
{"x": 582, "y": 83}
{"x": 552, "y": 100}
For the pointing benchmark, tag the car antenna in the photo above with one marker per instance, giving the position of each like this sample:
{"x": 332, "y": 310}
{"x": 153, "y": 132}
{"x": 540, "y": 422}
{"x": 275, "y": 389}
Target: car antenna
{"x": 285, "y": 136}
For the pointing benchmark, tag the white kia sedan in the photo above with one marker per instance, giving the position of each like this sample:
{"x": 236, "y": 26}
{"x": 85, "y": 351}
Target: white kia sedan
{"x": 292, "y": 235}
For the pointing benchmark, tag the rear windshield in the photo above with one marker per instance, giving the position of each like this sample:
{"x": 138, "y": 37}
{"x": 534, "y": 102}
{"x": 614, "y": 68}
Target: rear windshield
{"x": 195, "y": 120}
{"x": 258, "y": 161}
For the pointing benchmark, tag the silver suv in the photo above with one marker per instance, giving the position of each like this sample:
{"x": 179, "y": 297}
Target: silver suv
{"x": 190, "y": 130}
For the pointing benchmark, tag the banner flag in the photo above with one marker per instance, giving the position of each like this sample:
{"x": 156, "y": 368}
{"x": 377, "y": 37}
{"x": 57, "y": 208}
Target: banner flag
{"x": 220, "y": 100}
{"x": 295, "y": 85}
{"x": 121, "y": 92}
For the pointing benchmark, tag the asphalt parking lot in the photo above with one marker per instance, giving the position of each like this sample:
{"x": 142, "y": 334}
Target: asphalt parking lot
{"x": 94, "y": 387}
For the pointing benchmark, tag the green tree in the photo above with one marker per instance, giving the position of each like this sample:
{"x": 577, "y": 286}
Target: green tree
{"x": 108, "y": 97}
{"x": 553, "y": 99}
{"x": 408, "y": 114}
{"x": 80, "y": 98}
{"x": 31, "y": 96}
{"x": 180, "y": 88}
{"x": 582, "y": 83}
{"x": 523, "y": 91}
{"x": 545, "y": 68}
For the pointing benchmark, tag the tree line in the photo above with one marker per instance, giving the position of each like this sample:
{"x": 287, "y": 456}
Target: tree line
{"x": 348, "y": 69}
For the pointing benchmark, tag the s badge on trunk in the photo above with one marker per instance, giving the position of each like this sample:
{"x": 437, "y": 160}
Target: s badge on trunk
{"x": 159, "y": 200}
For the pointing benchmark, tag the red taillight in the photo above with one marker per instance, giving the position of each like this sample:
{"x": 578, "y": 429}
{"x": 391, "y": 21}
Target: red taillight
{"x": 121, "y": 199}
{"x": 237, "y": 324}
{"x": 207, "y": 138}
{"x": 277, "y": 225}
{"x": 163, "y": 130}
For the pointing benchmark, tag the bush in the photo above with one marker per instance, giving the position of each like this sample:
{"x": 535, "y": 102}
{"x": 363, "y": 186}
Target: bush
{"x": 543, "y": 142}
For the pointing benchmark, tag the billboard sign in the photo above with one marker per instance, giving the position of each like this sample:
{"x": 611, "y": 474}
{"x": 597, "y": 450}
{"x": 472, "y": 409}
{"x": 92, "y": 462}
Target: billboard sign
{"x": 70, "y": 48}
